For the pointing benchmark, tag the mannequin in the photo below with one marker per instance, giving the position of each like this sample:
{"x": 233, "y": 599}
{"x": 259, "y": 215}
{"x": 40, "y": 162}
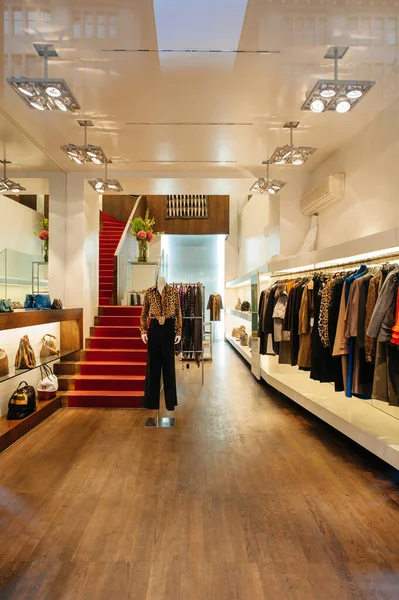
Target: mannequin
{"x": 161, "y": 327}
{"x": 160, "y": 285}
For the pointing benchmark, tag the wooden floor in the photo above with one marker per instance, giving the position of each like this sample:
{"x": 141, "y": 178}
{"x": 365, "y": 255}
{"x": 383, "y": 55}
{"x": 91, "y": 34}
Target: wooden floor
{"x": 247, "y": 498}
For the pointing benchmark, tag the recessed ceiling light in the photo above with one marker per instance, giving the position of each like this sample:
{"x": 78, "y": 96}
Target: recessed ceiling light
{"x": 343, "y": 106}
{"x": 53, "y": 91}
{"x": 354, "y": 93}
{"x": 39, "y": 103}
{"x": 317, "y": 105}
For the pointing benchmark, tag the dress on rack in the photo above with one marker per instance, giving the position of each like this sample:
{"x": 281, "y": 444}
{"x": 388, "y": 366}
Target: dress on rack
{"x": 215, "y": 305}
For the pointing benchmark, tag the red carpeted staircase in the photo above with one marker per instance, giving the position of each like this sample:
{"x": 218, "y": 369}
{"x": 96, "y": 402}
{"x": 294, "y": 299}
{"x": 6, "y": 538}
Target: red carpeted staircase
{"x": 112, "y": 372}
{"x": 110, "y": 235}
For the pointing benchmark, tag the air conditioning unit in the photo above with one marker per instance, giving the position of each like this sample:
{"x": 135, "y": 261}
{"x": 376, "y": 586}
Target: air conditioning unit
{"x": 328, "y": 192}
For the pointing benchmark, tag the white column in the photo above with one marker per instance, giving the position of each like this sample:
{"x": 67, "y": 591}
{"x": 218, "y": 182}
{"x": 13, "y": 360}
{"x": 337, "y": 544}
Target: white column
{"x": 82, "y": 235}
{"x": 57, "y": 242}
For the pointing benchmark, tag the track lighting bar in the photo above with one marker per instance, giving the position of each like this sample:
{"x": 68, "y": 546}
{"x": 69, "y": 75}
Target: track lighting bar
{"x": 86, "y": 153}
{"x": 263, "y": 186}
{"x": 101, "y": 185}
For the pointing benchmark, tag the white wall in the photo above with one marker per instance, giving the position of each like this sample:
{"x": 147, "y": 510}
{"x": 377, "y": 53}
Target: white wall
{"x": 370, "y": 164}
{"x": 17, "y": 225}
{"x": 293, "y": 224}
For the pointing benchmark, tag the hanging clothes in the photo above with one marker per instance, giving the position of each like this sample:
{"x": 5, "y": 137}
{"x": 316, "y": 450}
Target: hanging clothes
{"x": 215, "y": 305}
{"x": 305, "y": 328}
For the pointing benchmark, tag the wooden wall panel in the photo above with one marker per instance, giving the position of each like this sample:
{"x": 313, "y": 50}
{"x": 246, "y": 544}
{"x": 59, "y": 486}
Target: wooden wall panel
{"x": 120, "y": 207}
{"x": 218, "y": 222}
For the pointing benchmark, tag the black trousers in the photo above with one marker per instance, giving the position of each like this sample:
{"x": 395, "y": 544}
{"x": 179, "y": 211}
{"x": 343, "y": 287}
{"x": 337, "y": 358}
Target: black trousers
{"x": 161, "y": 359}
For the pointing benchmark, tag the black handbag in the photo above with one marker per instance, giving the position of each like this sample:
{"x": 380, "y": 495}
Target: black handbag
{"x": 245, "y": 306}
{"x": 22, "y": 403}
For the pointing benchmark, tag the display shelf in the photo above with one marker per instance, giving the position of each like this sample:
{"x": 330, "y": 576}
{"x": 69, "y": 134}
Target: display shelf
{"x": 13, "y": 372}
{"x": 353, "y": 250}
{"x": 12, "y": 431}
{"x": 241, "y": 314}
{"x": 358, "y": 419}
{"x": 243, "y": 350}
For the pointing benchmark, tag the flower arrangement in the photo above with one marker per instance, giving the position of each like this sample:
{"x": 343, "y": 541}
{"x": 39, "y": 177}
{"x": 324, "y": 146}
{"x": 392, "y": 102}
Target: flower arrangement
{"x": 142, "y": 230}
{"x": 44, "y": 235}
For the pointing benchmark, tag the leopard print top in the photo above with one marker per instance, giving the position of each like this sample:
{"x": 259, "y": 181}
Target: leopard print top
{"x": 167, "y": 305}
{"x": 326, "y": 298}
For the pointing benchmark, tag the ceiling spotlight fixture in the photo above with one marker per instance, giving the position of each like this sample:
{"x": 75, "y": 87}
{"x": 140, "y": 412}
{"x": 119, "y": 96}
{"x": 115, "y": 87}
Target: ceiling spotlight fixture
{"x": 317, "y": 105}
{"x": 333, "y": 92}
{"x": 45, "y": 93}
{"x": 263, "y": 186}
{"x": 106, "y": 185}
{"x": 86, "y": 153}
{"x": 291, "y": 155}
{"x": 6, "y": 185}
{"x": 343, "y": 106}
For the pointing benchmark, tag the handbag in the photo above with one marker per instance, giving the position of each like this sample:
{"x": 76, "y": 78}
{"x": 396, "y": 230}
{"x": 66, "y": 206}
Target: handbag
{"x": 17, "y": 305}
{"x": 25, "y": 358}
{"x": 6, "y": 306}
{"x": 238, "y": 305}
{"x": 50, "y": 346}
{"x": 236, "y": 333}
{"x": 22, "y": 402}
{"x": 245, "y": 306}
{"x": 57, "y": 304}
{"x": 4, "y": 370}
{"x": 48, "y": 384}
{"x": 37, "y": 301}
{"x": 244, "y": 339}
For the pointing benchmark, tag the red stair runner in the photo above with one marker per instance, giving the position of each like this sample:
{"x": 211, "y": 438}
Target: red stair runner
{"x": 113, "y": 372}
{"x": 110, "y": 235}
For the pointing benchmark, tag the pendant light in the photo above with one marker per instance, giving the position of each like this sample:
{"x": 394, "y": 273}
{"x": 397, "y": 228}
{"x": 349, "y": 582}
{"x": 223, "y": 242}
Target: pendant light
{"x": 263, "y": 186}
{"x": 45, "y": 93}
{"x": 335, "y": 94}
{"x": 291, "y": 155}
{"x": 86, "y": 153}
{"x": 7, "y": 186}
{"x": 106, "y": 185}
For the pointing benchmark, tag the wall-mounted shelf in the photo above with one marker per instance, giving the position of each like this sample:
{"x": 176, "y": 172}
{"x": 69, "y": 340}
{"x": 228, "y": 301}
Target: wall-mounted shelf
{"x": 13, "y": 372}
{"x": 243, "y": 350}
{"x": 247, "y": 316}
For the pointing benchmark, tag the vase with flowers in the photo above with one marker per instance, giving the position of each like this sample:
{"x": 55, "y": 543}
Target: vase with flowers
{"x": 142, "y": 230}
{"x": 44, "y": 236}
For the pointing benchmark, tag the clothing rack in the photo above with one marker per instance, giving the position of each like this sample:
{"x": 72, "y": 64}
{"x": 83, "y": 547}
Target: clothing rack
{"x": 201, "y": 318}
{"x": 338, "y": 266}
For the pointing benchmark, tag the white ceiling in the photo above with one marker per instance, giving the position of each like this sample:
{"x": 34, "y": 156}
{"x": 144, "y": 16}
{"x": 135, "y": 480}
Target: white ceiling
{"x": 238, "y": 102}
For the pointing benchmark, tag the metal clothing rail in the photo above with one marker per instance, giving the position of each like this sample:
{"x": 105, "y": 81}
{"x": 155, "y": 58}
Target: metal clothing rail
{"x": 202, "y": 318}
{"x": 338, "y": 266}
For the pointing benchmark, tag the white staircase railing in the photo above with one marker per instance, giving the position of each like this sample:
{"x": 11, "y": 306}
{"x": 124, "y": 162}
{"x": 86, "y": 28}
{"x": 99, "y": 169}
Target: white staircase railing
{"x": 126, "y": 250}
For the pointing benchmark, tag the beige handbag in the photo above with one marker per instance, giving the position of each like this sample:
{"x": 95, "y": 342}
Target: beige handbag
{"x": 3, "y": 363}
{"x": 50, "y": 346}
{"x": 25, "y": 358}
{"x": 238, "y": 305}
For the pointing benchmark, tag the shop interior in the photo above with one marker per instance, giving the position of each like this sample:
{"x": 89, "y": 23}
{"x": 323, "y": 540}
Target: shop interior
{"x": 237, "y": 184}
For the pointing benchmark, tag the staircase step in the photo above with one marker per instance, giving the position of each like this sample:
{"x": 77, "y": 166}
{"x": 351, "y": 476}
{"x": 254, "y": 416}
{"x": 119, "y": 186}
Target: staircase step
{"x": 110, "y": 399}
{"x": 114, "y": 369}
{"x": 129, "y": 383}
{"x": 115, "y": 355}
{"x": 128, "y": 332}
{"x": 115, "y": 343}
{"x": 128, "y": 321}
{"x": 120, "y": 311}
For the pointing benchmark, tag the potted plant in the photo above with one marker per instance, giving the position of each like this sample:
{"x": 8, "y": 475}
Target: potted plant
{"x": 142, "y": 230}
{"x": 44, "y": 236}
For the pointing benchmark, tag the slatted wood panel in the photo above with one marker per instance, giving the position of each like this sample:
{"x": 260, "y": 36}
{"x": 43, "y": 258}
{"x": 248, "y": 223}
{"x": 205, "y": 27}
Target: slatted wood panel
{"x": 218, "y": 221}
{"x": 248, "y": 498}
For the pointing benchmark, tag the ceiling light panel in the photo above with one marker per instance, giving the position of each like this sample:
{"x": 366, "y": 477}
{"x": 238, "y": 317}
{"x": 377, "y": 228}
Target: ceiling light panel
{"x": 85, "y": 154}
{"x": 106, "y": 185}
{"x": 45, "y": 94}
{"x": 328, "y": 93}
{"x": 263, "y": 186}
{"x": 291, "y": 155}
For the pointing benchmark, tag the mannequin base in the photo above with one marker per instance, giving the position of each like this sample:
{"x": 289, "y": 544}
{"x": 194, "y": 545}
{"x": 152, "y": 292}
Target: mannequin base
{"x": 160, "y": 422}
